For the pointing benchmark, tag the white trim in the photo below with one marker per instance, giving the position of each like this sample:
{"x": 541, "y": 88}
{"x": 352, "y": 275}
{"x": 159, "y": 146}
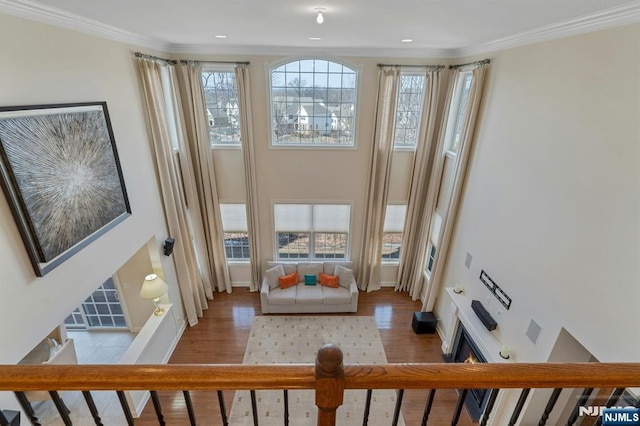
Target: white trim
{"x": 603, "y": 19}
{"x": 388, "y": 283}
{"x": 39, "y": 12}
{"x": 238, "y": 284}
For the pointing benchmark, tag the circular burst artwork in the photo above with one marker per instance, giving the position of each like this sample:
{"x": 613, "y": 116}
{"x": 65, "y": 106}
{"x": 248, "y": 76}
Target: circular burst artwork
{"x": 63, "y": 174}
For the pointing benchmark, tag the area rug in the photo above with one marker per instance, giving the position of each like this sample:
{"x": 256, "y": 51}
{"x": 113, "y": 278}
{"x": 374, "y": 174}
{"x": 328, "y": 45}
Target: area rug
{"x": 295, "y": 340}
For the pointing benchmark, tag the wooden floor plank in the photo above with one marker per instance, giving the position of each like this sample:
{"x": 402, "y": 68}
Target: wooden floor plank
{"x": 223, "y": 331}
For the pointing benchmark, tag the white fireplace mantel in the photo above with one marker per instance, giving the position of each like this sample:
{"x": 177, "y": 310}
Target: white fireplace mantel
{"x": 488, "y": 342}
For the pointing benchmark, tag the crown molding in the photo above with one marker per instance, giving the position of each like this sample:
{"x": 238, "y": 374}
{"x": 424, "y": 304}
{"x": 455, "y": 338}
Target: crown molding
{"x": 39, "y": 12}
{"x": 608, "y": 18}
{"x": 614, "y": 17}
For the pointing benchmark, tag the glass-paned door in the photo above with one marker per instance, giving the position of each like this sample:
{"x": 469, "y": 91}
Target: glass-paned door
{"x": 100, "y": 310}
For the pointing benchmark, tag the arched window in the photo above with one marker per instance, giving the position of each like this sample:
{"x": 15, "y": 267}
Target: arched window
{"x": 313, "y": 90}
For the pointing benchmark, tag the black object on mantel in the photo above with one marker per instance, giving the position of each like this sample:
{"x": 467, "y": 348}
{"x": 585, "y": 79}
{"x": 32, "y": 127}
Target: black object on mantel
{"x": 424, "y": 322}
{"x": 483, "y": 315}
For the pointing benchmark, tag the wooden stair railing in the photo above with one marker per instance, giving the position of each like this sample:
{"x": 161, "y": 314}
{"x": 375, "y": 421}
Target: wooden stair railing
{"x": 329, "y": 377}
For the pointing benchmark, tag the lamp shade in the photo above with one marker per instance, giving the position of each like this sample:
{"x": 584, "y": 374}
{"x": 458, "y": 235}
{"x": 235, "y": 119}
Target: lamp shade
{"x": 153, "y": 287}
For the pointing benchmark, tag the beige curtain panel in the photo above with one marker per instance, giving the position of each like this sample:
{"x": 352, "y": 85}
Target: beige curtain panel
{"x": 248, "y": 155}
{"x": 460, "y": 169}
{"x": 199, "y": 149}
{"x": 379, "y": 175}
{"x": 413, "y": 254}
{"x": 158, "y": 84}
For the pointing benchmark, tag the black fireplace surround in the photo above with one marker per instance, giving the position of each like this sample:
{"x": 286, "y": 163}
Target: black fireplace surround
{"x": 465, "y": 350}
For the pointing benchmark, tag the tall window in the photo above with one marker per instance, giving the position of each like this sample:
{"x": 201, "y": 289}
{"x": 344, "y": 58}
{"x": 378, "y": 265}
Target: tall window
{"x": 393, "y": 228}
{"x": 313, "y": 103}
{"x": 458, "y": 112}
{"x": 434, "y": 236}
{"x": 236, "y": 236}
{"x": 100, "y": 310}
{"x": 223, "y": 113}
{"x": 312, "y": 231}
{"x": 409, "y": 109}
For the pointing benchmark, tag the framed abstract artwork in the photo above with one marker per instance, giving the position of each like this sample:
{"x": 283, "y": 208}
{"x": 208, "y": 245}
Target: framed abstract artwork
{"x": 60, "y": 172}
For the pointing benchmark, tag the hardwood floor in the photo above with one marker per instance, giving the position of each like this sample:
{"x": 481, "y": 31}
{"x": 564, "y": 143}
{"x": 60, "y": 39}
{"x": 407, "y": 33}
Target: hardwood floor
{"x": 221, "y": 336}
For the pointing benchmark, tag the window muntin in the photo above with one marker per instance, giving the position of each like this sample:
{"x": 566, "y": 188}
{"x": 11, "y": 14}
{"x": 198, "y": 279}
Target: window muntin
{"x": 313, "y": 103}
{"x": 457, "y": 112}
{"x": 101, "y": 309}
{"x": 312, "y": 231}
{"x": 223, "y": 112}
{"x": 409, "y": 110}
{"x": 393, "y": 231}
{"x": 236, "y": 235}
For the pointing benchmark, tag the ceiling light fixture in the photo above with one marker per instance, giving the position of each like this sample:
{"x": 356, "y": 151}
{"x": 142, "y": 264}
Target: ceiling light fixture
{"x": 315, "y": 38}
{"x": 406, "y": 40}
{"x": 320, "y": 17}
{"x": 221, "y": 36}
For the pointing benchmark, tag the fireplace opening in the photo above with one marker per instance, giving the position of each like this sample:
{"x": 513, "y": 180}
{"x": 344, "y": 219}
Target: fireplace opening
{"x": 465, "y": 351}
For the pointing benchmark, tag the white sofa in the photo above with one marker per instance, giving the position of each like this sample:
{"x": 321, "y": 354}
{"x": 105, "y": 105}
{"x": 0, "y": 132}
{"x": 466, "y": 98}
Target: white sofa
{"x": 303, "y": 298}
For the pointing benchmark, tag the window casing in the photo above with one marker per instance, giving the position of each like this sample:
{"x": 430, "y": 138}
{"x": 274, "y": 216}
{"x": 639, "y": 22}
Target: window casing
{"x": 393, "y": 232}
{"x": 457, "y": 112}
{"x": 312, "y": 231}
{"x": 236, "y": 235}
{"x": 223, "y": 112}
{"x": 409, "y": 109}
{"x": 313, "y": 103}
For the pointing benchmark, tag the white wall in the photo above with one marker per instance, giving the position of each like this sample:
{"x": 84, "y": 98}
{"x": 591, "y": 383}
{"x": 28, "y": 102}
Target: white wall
{"x": 551, "y": 209}
{"x": 46, "y": 65}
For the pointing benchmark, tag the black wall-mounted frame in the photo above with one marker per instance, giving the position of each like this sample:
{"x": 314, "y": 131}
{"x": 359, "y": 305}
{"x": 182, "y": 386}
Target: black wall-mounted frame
{"x": 495, "y": 290}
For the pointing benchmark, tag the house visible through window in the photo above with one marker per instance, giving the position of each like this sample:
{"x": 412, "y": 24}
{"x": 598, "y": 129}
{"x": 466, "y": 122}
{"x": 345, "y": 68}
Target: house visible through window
{"x": 409, "y": 109}
{"x": 223, "y": 113}
{"x": 392, "y": 231}
{"x": 313, "y": 102}
{"x": 312, "y": 231}
{"x": 234, "y": 226}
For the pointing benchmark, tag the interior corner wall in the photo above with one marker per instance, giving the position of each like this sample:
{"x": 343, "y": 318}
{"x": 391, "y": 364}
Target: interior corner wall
{"x": 47, "y": 65}
{"x": 551, "y": 207}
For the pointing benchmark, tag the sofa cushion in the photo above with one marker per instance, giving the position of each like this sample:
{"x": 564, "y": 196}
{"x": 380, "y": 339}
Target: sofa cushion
{"x": 329, "y": 280}
{"x": 272, "y": 275}
{"x": 288, "y": 280}
{"x": 335, "y": 296}
{"x": 308, "y": 268}
{"x": 281, "y": 296}
{"x": 329, "y": 268}
{"x": 289, "y": 267}
{"x": 308, "y": 294}
{"x": 345, "y": 276}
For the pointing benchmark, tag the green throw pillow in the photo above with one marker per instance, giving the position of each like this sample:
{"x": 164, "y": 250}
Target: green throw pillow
{"x": 310, "y": 279}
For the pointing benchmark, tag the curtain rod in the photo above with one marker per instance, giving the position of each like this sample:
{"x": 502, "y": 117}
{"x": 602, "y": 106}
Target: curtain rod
{"x": 155, "y": 58}
{"x": 482, "y": 62}
{"x": 429, "y": 67}
{"x": 186, "y": 61}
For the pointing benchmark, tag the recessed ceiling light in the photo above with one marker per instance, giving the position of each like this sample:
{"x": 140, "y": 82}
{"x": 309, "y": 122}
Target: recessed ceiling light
{"x": 406, "y": 40}
{"x": 221, "y": 36}
{"x": 315, "y": 38}
{"x": 320, "y": 17}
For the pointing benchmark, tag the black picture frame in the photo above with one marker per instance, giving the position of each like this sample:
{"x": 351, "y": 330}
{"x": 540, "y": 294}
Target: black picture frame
{"x": 61, "y": 175}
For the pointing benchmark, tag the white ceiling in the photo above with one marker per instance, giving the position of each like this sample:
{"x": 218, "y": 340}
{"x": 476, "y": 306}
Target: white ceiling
{"x": 360, "y": 27}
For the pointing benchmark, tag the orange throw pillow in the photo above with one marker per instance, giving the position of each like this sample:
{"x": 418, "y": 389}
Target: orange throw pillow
{"x": 329, "y": 280}
{"x": 288, "y": 280}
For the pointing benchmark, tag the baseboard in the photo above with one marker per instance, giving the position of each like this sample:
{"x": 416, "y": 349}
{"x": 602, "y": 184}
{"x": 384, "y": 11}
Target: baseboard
{"x": 388, "y": 284}
{"x": 240, "y": 284}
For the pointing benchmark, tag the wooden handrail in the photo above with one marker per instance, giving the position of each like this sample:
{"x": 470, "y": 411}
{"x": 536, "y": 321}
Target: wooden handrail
{"x": 303, "y": 376}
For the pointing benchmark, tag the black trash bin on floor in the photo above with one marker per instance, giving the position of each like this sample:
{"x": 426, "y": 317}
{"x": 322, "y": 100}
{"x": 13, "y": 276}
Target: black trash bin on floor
{"x": 424, "y": 322}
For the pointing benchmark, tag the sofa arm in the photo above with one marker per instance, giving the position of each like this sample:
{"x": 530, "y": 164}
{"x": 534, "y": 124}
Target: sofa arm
{"x": 353, "y": 290}
{"x": 264, "y": 294}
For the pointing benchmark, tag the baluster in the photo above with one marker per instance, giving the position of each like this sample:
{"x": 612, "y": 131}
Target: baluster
{"x": 519, "y": 406}
{"x": 396, "y": 412}
{"x": 92, "y": 407}
{"x": 367, "y": 408}
{"x": 3, "y": 419}
{"x": 27, "y": 408}
{"x": 13, "y": 417}
{"x": 615, "y": 396}
{"x": 192, "y": 414}
{"x": 125, "y": 407}
{"x": 427, "y": 407}
{"x": 157, "y": 407}
{"x": 254, "y": 407}
{"x": 223, "y": 410}
{"x": 459, "y": 405}
{"x": 550, "y": 404}
{"x": 286, "y": 407}
{"x": 490, "y": 403}
{"x": 576, "y": 410}
{"x": 330, "y": 383}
